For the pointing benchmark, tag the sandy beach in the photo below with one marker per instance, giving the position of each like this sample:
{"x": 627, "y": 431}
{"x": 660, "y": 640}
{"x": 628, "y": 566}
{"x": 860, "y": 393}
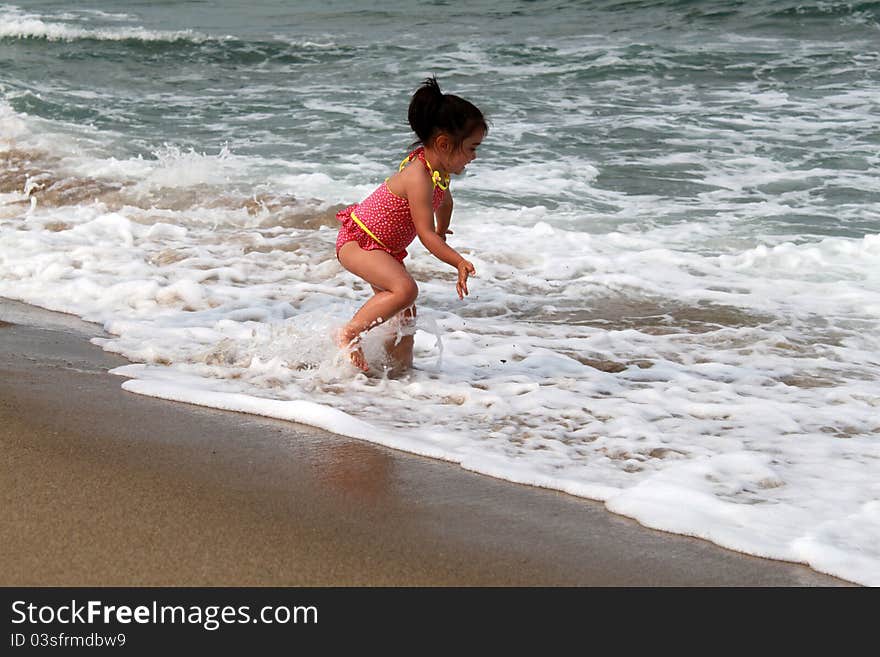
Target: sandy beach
{"x": 101, "y": 487}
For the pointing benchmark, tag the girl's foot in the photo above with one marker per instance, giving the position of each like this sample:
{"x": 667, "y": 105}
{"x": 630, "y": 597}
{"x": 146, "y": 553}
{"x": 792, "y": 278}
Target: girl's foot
{"x": 353, "y": 347}
{"x": 356, "y": 354}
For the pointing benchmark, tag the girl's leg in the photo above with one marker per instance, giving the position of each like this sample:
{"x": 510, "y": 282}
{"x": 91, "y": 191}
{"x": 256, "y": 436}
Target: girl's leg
{"x": 395, "y": 290}
{"x": 399, "y": 346}
{"x": 402, "y": 352}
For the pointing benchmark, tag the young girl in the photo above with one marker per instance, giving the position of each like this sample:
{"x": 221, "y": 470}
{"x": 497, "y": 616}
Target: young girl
{"x": 414, "y": 201}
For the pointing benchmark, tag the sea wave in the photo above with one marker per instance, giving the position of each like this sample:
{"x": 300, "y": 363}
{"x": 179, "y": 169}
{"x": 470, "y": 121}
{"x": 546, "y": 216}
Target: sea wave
{"x": 199, "y": 46}
{"x": 17, "y": 24}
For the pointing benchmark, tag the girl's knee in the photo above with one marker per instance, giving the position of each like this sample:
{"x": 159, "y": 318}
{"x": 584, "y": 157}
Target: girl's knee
{"x": 408, "y": 292}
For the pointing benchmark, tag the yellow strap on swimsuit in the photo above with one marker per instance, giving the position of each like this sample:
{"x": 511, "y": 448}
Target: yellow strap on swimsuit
{"x": 368, "y": 231}
{"x": 436, "y": 178}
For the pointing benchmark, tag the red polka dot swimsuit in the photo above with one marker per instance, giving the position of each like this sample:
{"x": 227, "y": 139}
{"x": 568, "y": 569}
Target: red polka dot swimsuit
{"x": 383, "y": 219}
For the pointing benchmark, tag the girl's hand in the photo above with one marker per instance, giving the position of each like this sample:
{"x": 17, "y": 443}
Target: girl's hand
{"x": 465, "y": 269}
{"x": 444, "y": 233}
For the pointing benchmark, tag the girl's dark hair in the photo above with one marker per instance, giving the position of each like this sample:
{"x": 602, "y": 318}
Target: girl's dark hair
{"x": 432, "y": 112}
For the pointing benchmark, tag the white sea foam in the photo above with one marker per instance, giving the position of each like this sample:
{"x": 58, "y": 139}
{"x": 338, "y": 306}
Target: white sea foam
{"x": 740, "y": 420}
{"x": 12, "y": 126}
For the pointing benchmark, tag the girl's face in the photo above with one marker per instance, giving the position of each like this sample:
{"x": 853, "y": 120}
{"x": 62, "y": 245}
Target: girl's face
{"x": 459, "y": 158}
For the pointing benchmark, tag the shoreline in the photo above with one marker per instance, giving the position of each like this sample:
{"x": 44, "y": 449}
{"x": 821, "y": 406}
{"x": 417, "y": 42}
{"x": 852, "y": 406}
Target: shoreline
{"x": 102, "y": 487}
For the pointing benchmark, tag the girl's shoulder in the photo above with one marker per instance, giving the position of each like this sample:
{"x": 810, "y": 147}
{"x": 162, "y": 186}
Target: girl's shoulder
{"x": 411, "y": 176}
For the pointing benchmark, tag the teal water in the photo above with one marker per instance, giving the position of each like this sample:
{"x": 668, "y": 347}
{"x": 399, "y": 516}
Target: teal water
{"x": 744, "y": 102}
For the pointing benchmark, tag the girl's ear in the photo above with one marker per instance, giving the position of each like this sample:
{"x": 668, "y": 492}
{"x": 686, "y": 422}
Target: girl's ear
{"x": 442, "y": 143}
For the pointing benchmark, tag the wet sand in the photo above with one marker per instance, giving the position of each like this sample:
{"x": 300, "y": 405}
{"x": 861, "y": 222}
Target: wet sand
{"x": 101, "y": 487}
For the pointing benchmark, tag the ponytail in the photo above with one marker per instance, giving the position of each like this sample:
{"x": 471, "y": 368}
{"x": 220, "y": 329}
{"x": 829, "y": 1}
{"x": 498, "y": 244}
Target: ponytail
{"x": 432, "y": 112}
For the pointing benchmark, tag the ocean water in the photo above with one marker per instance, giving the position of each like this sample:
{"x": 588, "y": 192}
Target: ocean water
{"x": 674, "y": 220}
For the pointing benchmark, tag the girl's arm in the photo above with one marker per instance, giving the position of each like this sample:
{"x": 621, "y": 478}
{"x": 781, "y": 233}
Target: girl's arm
{"x": 419, "y": 194}
{"x": 444, "y": 216}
